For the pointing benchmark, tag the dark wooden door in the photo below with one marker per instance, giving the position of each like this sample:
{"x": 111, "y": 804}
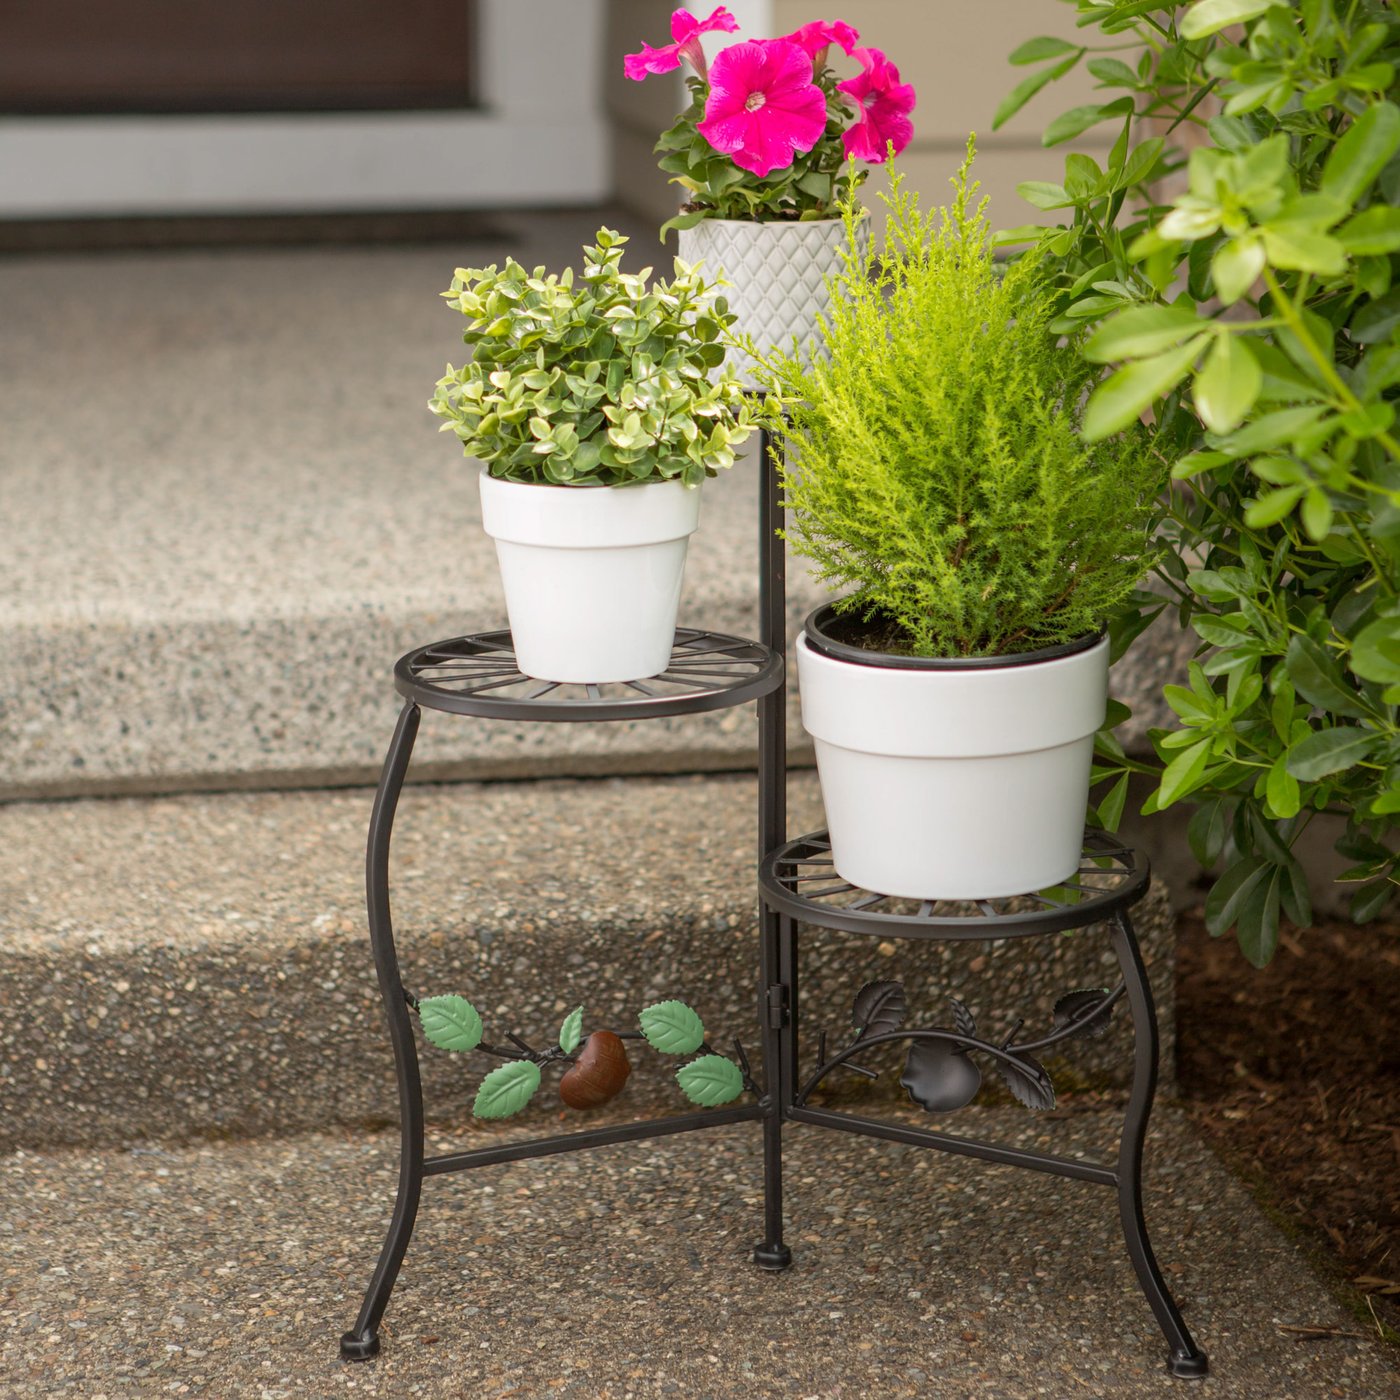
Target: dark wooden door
{"x": 127, "y": 56}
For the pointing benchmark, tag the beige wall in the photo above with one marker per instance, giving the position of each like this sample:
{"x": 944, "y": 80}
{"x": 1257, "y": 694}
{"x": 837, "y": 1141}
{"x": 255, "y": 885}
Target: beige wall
{"x": 639, "y": 112}
{"x": 953, "y": 51}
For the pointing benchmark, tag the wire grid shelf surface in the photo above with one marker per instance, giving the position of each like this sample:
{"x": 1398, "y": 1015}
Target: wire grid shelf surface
{"x": 800, "y": 879}
{"x": 478, "y": 675}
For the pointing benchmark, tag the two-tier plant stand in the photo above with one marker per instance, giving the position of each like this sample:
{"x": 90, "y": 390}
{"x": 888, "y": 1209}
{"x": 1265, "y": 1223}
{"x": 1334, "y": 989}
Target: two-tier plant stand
{"x": 476, "y": 676}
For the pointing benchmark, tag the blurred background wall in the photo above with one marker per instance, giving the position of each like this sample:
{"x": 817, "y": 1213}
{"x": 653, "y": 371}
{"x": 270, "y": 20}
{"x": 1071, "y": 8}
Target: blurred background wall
{"x": 188, "y": 107}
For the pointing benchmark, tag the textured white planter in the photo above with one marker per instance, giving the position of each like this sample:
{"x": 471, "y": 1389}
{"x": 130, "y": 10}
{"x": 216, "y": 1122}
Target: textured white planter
{"x": 592, "y": 574}
{"x": 777, "y": 273}
{"x": 960, "y": 782}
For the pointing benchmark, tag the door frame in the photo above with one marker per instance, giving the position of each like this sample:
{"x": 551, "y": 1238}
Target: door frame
{"x": 538, "y": 138}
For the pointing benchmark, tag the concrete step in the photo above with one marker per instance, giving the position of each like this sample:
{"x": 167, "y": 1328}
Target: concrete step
{"x": 208, "y": 568}
{"x": 230, "y": 1270}
{"x": 199, "y": 964}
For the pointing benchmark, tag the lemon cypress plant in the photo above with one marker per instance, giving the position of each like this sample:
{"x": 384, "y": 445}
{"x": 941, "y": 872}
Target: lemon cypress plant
{"x": 936, "y": 474}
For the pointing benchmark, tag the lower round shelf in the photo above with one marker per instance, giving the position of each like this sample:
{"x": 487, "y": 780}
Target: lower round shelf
{"x": 477, "y": 675}
{"x": 800, "y": 880}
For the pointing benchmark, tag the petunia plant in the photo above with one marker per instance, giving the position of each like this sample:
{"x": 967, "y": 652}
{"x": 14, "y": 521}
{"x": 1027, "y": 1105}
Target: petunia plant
{"x": 771, "y": 132}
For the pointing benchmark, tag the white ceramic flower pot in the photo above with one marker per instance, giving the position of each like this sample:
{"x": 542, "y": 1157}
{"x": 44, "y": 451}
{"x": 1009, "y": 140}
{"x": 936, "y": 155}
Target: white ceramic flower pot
{"x": 777, "y": 274}
{"x": 949, "y": 780}
{"x": 592, "y": 574}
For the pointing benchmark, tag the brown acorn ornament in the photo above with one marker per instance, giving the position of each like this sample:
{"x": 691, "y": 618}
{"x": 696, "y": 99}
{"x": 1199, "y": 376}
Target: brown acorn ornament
{"x": 598, "y": 1074}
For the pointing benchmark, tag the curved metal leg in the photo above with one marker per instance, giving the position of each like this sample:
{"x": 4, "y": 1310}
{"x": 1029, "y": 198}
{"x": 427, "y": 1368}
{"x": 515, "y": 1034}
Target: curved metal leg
{"x": 1184, "y": 1359}
{"x": 362, "y": 1341}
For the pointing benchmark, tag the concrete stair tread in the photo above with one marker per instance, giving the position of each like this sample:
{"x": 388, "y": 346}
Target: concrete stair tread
{"x": 230, "y": 1269}
{"x": 205, "y": 577}
{"x": 199, "y": 964}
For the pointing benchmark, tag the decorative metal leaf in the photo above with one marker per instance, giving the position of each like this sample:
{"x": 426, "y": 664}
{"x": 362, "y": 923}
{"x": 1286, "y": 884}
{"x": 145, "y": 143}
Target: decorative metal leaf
{"x": 879, "y": 1007}
{"x": 507, "y": 1089}
{"x": 1074, "y": 1003}
{"x": 710, "y": 1080}
{"x": 451, "y": 1022}
{"x": 939, "y": 1076}
{"x": 1028, "y": 1081}
{"x": 963, "y": 1020}
{"x": 673, "y": 1028}
{"x": 571, "y": 1032}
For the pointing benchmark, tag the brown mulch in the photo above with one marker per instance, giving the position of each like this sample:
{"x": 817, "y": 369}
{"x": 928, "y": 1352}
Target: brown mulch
{"x": 1293, "y": 1075}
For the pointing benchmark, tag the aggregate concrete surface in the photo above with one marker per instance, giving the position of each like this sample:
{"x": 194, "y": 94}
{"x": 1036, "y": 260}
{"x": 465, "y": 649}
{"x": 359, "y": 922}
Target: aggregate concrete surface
{"x": 199, "y": 964}
{"x": 230, "y": 1271}
{"x": 211, "y": 587}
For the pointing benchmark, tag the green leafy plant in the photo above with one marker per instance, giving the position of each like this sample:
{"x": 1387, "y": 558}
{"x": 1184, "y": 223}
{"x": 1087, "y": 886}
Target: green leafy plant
{"x": 602, "y": 381}
{"x": 1254, "y": 319}
{"x": 936, "y": 471}
{"x": 452, "y": 1023}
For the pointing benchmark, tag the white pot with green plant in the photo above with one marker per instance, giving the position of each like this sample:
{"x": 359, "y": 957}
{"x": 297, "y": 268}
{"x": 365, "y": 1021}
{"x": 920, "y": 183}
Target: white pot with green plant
{"x": 597, "y": 406}
{"x": 772, "y": 141}
{"x": 936, "y": 476}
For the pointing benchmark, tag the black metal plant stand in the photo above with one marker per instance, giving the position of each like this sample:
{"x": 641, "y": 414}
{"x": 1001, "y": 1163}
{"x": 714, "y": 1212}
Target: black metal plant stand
{"x": 477, "y": 676}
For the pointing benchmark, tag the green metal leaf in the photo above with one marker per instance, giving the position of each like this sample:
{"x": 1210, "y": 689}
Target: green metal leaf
{"x": 450, "y": 1022}
{"x": 711, "y": 1080}
{"x": 571, "y": 1032}
{"x": 507, "y": 1089}
{"x": 672, "y": 1028}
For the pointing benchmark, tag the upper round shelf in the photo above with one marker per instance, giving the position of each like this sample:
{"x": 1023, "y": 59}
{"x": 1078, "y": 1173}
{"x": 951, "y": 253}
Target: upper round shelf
{"x": 477, "y": 675}
{"x": 799, "y": 879}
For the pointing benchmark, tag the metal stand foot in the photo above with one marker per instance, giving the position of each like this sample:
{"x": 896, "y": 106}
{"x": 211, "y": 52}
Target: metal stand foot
{"x": 356, "y": 1348}
{"x": 1188, "y": 1366}
{"x": 774, "y": 1257}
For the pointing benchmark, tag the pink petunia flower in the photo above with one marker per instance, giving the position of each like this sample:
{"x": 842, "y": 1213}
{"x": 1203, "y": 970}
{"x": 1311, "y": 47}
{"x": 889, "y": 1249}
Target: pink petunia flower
{"x": 885, "y": 104}
{"x": 685, "y": 31}
{"x": 763, "y": 106}
{"x": 818, "y": 36}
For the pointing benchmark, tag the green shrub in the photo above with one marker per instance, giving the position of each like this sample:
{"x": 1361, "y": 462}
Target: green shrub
{"x": 596, "y": 383}
{"x": 1257, "y": 318}
{"x": 936, "y": 474}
